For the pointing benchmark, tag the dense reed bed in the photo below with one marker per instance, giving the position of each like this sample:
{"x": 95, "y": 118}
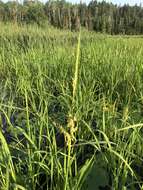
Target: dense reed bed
{"x": 71, "y": 110}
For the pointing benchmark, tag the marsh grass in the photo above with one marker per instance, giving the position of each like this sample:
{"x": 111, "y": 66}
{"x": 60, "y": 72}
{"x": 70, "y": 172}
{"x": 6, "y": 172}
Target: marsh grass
{"x": 70, "y": 110}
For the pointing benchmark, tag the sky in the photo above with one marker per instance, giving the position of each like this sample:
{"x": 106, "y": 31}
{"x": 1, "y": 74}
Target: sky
{"x": 131, "y": 2}
{"x": 119, "y": 2}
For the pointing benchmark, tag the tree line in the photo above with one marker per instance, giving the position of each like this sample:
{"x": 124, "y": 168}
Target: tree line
{"x": 96, "y": 16}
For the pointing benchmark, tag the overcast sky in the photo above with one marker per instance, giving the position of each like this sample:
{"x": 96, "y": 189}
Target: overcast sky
{"x": 131, "y": 2}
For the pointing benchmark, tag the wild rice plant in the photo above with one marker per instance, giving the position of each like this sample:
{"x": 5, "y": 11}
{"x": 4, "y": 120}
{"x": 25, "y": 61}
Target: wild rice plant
{"x": 70, "y": 110}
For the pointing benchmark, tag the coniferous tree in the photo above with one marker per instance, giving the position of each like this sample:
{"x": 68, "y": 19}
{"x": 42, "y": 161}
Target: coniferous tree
{"x": 97, "y": 16}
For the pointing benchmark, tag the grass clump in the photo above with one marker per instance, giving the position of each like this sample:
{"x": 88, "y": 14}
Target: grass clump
{"x": 65, "y": 125}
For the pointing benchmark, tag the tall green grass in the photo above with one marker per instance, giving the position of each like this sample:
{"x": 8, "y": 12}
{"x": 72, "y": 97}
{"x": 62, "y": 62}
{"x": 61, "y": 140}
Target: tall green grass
{"x": 73, "y": 107}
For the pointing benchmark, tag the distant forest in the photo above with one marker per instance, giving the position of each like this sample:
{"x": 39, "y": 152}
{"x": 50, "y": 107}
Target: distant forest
{"x": 96, "y": 16}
